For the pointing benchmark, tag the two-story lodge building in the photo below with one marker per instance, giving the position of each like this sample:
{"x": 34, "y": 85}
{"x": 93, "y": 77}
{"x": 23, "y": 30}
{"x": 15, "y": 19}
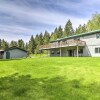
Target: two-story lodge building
{"x": 84, "y": 44}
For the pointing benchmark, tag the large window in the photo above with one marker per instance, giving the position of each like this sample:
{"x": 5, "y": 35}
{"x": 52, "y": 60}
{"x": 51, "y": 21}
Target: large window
{"x": 97, "y": 50}
{"x": 58, "y": 52}
{"x": 52, "y": 52}
{"x": 81, "y": 51}
{"x": 98, "y": 35}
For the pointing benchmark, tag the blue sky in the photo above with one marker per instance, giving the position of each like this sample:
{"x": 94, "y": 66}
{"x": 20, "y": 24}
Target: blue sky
{"x": 23, "y": 18}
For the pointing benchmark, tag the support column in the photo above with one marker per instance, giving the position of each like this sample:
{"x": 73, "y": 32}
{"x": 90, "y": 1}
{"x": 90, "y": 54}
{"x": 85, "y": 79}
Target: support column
{"x": 77, "y": 52}
{"x": 40, "y": 52}
{"x": 60, "y": 48}
{"x": 66, "y": 52}
{"x": 60, "y": 52}
{"x": 48, "y": 53}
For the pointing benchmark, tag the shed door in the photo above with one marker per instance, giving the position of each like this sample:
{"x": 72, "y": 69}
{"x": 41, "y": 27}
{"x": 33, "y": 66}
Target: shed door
{"x": 7, "y": 55}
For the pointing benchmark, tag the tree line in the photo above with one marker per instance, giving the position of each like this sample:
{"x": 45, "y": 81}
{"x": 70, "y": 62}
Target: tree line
{"x": 44, "y": 38}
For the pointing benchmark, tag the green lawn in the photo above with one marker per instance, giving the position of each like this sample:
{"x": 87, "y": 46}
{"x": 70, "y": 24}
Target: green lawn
{"x": 50, "y": 79}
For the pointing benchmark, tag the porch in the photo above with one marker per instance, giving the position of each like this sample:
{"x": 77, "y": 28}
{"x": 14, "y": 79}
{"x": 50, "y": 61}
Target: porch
{"x": 65, "y": 48}
{"x": 61, "y": 44}
{"x": 72, "y": 51}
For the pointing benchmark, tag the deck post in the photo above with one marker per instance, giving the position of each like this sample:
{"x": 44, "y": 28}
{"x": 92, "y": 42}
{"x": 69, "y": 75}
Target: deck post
{"x": 60, "y": 52}
{"x": 48, "y": 53}
{"x": 77, "y": 52}
{"x": 60, "y": 48}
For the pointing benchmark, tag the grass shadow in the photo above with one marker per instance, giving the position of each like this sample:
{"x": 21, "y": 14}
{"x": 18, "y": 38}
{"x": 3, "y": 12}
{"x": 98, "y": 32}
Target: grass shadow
{"x": 23, "y": 87}
{"x": 10, "y": 59}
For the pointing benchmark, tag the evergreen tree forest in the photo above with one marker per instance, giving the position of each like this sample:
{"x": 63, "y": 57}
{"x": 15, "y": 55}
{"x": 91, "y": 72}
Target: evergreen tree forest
{"x": 44, "y": 38}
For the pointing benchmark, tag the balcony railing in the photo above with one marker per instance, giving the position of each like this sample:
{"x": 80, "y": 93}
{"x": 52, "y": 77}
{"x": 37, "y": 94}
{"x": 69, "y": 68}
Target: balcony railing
{"x": 63, "y": 44}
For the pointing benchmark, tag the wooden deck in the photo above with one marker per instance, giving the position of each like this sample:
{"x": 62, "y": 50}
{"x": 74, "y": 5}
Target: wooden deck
{"x": 62, "y": 44}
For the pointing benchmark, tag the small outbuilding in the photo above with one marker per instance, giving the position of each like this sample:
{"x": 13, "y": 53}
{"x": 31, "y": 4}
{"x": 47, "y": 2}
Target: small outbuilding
{"x": 13, "y": 52}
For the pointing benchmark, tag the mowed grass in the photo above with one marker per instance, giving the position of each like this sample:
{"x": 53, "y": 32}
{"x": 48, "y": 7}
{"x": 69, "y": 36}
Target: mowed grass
{"x": 50, "y": 78}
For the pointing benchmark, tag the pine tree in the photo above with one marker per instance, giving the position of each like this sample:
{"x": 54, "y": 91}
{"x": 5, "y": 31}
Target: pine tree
{"x": 55, "y": 33}
{"x": 4, "y": 44}
{"x": 32, "y": 45}
{"x": 68, "y": 30}
{"x": 81, "y": 29}
{"x": 26, "y": 46}
{"x": 37, "y": 39}
{"x": 46, "y": 38}
{"x": 13, "y": 43}
{"x": 84, "y": 28}
{"x": 94, "y": 22}
{"x": 37, "y": 42}
{"x": 59, "y": 32}
{"x": 21, "y": 43}
{"x": 52, "y": 37}
{"x": 41, "y": 39}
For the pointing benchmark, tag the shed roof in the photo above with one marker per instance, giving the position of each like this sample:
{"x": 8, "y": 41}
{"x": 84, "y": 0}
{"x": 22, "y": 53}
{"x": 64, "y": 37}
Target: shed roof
{"x": 14, "y": 47}
{"x": 77, "y": 35}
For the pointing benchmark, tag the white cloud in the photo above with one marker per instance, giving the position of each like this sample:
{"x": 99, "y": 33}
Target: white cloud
{"x": 14, "y": 33}
{"x": 37, "y": 15}
{"x": 25, "y": 14}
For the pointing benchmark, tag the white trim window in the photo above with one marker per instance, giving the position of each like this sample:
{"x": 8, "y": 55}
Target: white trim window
{"x": 97, "y": 50}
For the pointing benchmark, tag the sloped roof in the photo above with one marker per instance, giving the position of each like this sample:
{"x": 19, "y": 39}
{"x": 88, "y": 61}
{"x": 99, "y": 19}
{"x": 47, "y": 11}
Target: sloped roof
{"x": 77, "y": 35}
{"x": 14, "y": 47}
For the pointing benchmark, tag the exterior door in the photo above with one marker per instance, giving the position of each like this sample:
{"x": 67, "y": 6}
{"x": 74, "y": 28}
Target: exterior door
{"x": 71, "y": 53}
{"x": 7, "y": 55}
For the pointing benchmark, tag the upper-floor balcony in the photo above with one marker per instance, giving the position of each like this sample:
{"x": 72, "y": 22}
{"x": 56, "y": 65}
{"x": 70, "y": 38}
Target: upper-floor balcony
{"x": 60, "y": 44}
